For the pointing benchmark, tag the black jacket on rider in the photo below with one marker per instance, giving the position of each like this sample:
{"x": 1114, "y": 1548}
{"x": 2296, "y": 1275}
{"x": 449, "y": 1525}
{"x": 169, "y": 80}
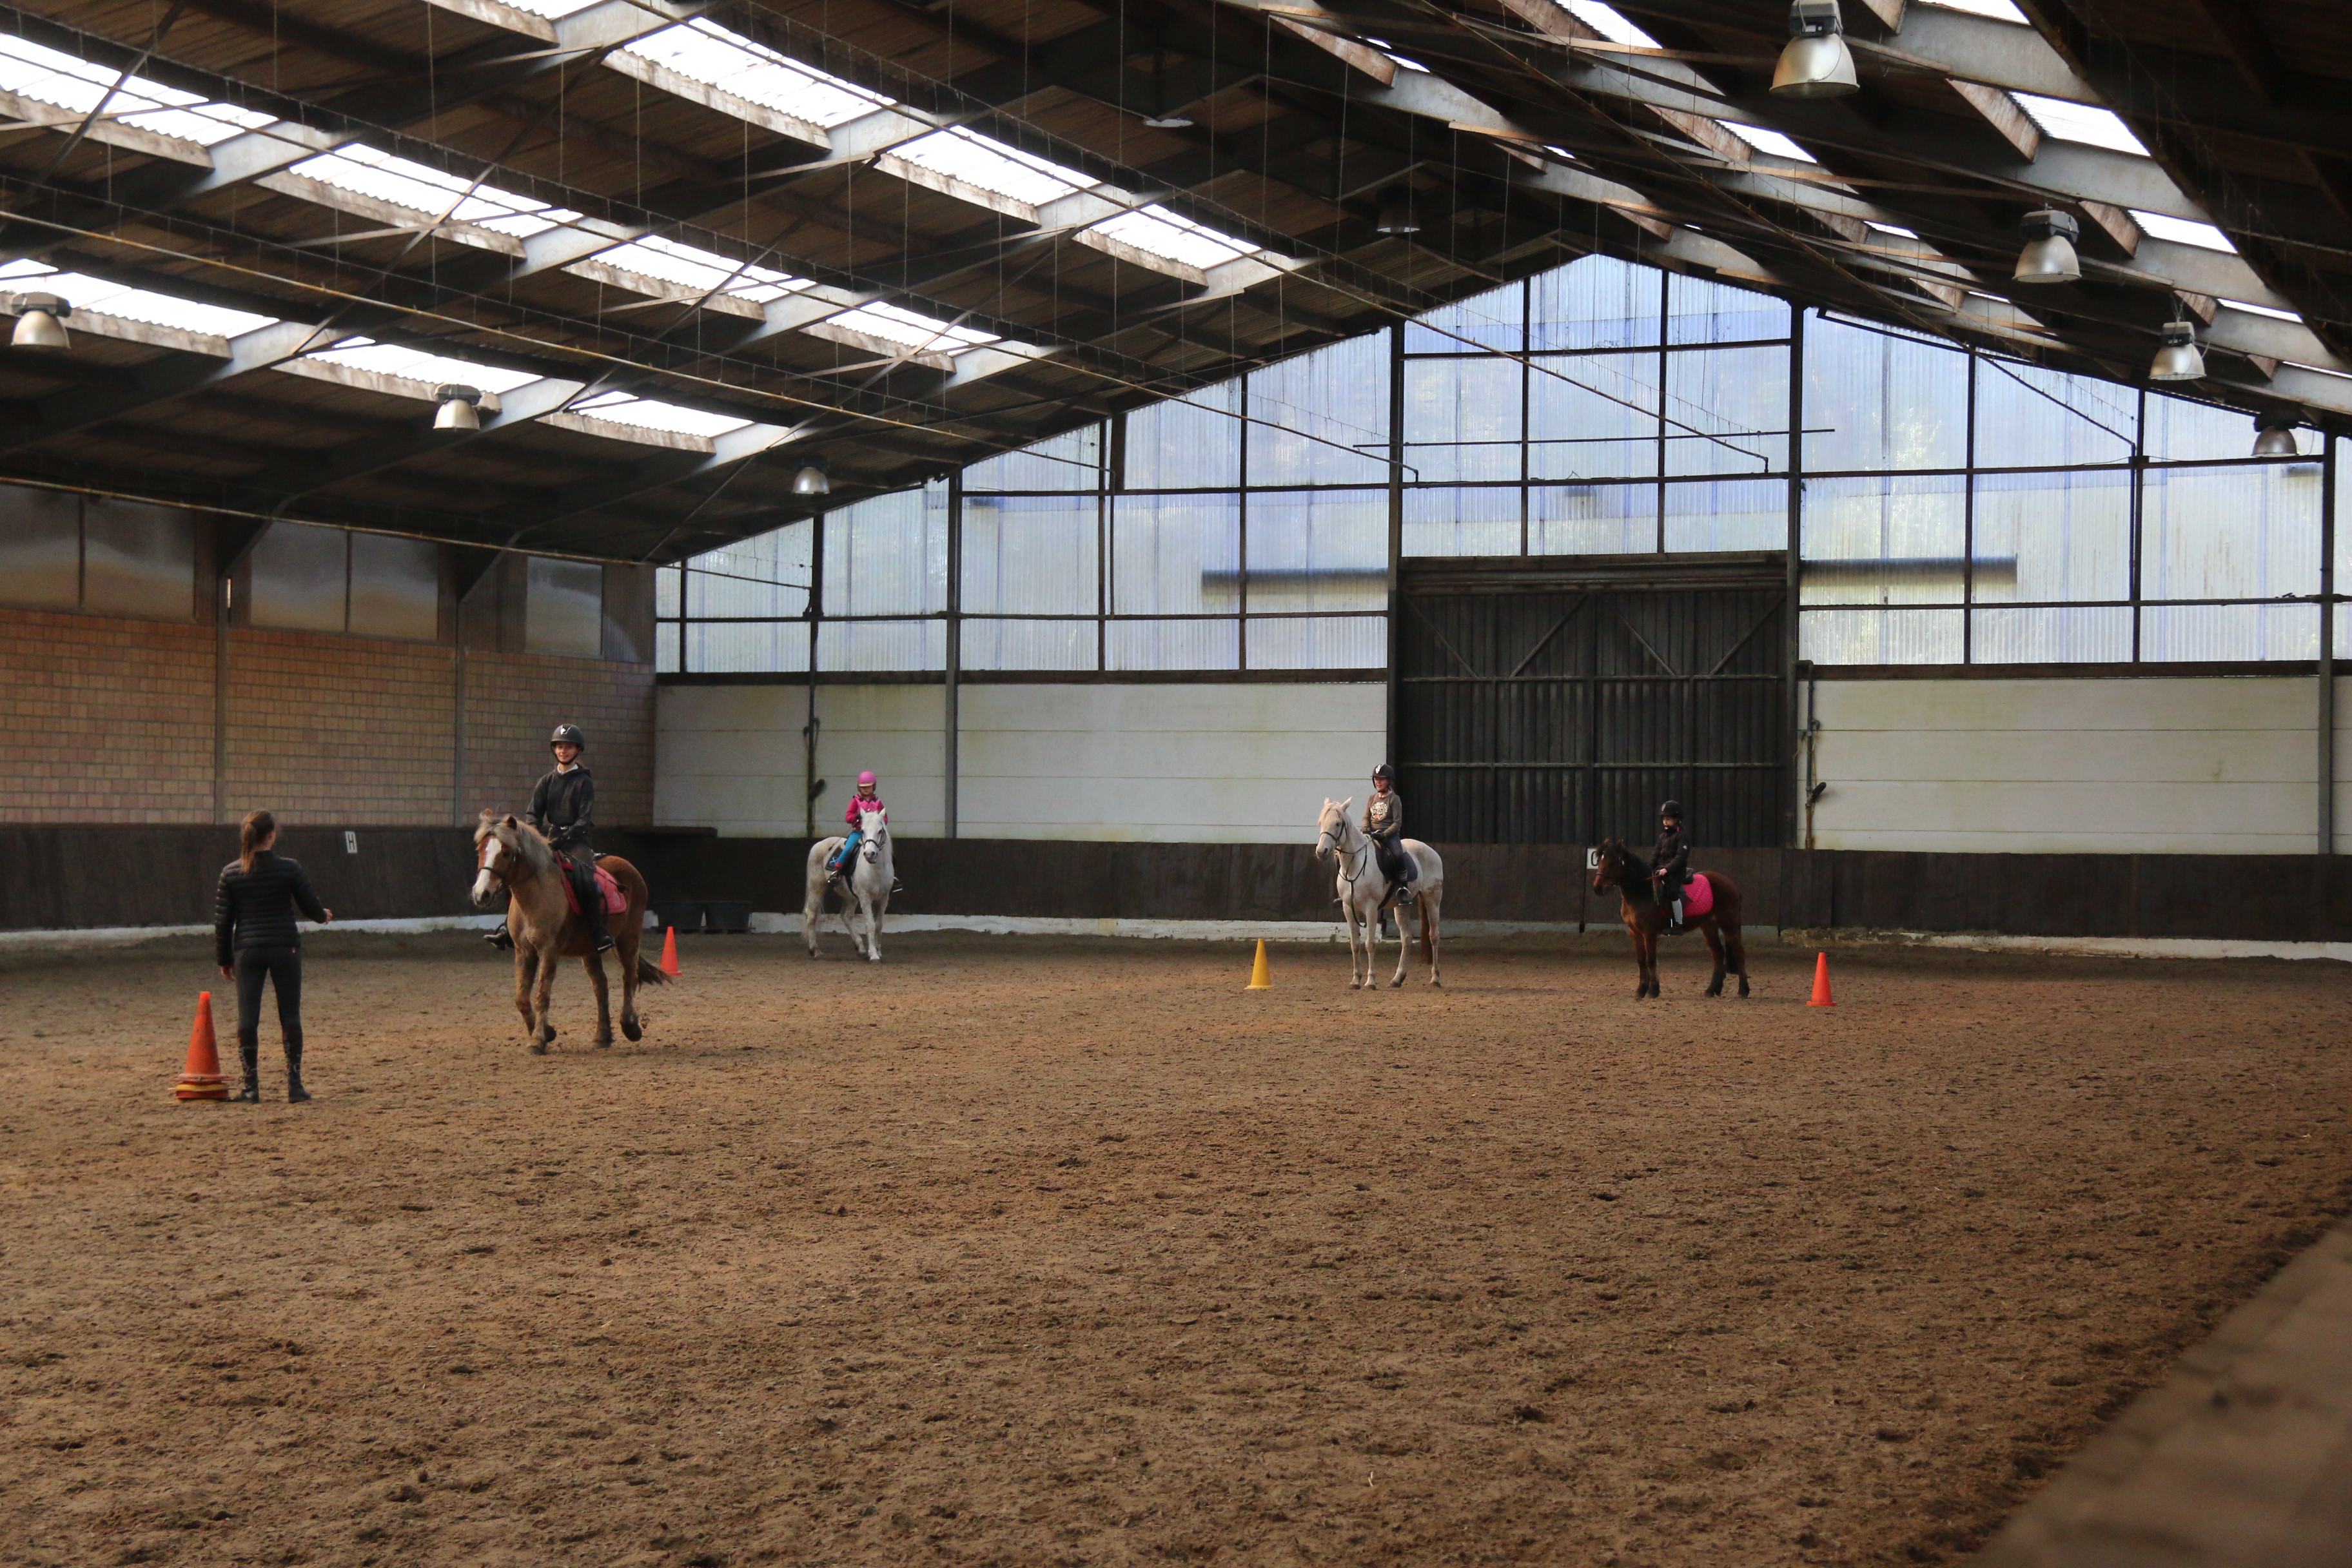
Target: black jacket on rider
{"x": 563, "y": 807}
{"x": 1670, "y": 860}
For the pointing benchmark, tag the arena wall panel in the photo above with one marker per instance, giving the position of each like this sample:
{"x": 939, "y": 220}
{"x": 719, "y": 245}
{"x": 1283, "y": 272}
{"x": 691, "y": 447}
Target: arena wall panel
{"x": 2147, "y": 766}
{"x": 732, "y": 757}
{"x": 106, "y": 720}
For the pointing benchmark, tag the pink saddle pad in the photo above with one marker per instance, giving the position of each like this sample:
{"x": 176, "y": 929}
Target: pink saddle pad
{"x": 1698, "y": 896}
{"x": 615, "y": 901}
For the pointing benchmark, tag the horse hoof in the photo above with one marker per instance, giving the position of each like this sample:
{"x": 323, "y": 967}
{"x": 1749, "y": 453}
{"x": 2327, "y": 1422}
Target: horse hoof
{"x": 633, "y": 1029}
{"x": 604, "y": 1042}
{"x": 539, "y": 1047}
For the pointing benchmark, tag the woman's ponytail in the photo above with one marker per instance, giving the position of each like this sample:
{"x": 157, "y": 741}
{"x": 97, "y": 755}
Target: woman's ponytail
{"x": 258, "y": 826}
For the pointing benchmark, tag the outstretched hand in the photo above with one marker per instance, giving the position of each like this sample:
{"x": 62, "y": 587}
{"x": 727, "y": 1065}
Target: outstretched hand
{"x": 226, "y": 972}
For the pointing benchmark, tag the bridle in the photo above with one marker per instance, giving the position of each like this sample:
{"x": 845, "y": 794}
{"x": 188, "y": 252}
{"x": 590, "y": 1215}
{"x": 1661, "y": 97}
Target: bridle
{"x": 1351, "y": 861}
{"x": 486, "y": 861}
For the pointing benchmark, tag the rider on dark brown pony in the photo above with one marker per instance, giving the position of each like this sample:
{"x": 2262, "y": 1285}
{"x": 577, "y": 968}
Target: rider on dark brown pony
{"x": 1670, "y": 859}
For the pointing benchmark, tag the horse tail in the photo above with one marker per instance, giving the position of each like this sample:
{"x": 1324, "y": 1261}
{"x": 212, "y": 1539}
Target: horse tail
{"x": 650, "y": 972}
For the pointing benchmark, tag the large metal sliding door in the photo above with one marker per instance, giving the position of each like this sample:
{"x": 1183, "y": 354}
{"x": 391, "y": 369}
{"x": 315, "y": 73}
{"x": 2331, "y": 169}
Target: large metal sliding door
{"x": 1559, "y": 699}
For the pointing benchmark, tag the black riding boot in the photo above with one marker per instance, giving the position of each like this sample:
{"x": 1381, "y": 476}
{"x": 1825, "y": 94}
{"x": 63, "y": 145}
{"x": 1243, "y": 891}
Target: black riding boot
{"x": 295, "y": 1093}
{"x": 250, "y": 1058}
{"x": 500, "y": 939}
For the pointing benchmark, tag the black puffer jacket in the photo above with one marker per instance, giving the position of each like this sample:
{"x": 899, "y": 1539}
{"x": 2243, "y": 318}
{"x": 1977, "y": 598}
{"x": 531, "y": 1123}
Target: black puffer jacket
{"x": 256, "y": 907}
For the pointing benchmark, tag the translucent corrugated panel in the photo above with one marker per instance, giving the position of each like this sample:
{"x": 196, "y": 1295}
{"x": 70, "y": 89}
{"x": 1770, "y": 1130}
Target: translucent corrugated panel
{"x": 1873, "y": 400}
{"x": 740, "y": 648}
{"x": 2029, "y": 417}
{"x": 1727, "y": 411}
{"x": 141, "y": 560}
{"x": 2062, "y": 635}
{"x": 1173, "y": 645}
{"x": 1702, "y": 311}
{"x": 1593, "y": 416}
{"x": 302, "y": 576}
{"x": 1593, "y": 519}
{"x": 2184, "y": 430}
{"x": 1884, "y": 539}
{"x": 1728, "y": 514}
{"x": 668, "y": 636}
{"x": 1320, "y": 642}
{"x": 881, "y": 644}
{"x": 1194, "y": 444}
{"x": 2342, "y": 516}
{"x": 2250, "y": 531}
{"x": 1462, "y": 420}
{"x": 766, "y": 574}
{"x": 1880, "y": 637}
{"x": 669, "y": 584}
{"x": 2233, "y": 632}
{"x": 1318, "y": 550}
{"x": 395, "y": 587}
{"x": 1598, "y": 302}
{"x": 1175, "y": 555}
{"x": 889, "y": 556}
{"x": 40, "y": 548}
{"x": 1030, "y": 644}
{"x": 2053, "y": 536}
{"x": 1488, "y": 321}
{"x": 1030, "y": 554}
{"x": 563, "y": 608}
{"x": 1462, "y": 522}
{"x": 1067, "y": 462}
{"x": 1321, "y": 418}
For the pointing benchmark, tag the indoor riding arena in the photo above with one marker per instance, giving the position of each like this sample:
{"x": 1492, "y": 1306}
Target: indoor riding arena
{"x": 1499, "y": 781}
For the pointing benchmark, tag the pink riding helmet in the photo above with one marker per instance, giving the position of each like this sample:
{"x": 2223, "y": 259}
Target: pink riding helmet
{"x": 866, "y": 778}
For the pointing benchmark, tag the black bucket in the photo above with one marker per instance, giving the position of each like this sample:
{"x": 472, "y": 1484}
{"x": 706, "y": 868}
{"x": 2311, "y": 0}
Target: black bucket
{"x": 673, "y": 913}
{"x": 731, "y": 918}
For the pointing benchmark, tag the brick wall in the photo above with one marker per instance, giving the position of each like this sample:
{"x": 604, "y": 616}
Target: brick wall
{"x": 109, "y": 720}
{"x": 104, "y": 720}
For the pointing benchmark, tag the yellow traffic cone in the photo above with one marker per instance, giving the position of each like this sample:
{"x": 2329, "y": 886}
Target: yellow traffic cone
{"x": 1260, "y": 979}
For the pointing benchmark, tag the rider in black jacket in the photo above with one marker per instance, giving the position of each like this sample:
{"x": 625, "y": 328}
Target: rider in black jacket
{"x": 255, "y": 939}
{"x": 1670, "y": 859}
{"x": 563, "y": 807}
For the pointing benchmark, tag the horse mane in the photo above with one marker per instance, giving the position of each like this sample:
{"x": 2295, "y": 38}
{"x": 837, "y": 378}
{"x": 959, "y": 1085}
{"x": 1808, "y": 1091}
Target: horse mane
{"x": 528, "y": 842}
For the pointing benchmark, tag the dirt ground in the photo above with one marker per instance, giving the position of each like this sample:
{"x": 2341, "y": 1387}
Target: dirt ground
{"x": 1015, "y": 1251}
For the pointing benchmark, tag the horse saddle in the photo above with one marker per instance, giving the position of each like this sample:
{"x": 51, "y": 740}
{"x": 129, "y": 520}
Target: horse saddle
{"x": 1699, "y": 897}
{"x": 615, "y": 901}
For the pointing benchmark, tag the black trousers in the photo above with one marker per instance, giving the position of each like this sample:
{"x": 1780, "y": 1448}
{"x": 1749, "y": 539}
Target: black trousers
{"x": 580, "y": 865}
{"x": 1395, "y": 864}
{"x": 282, "y": 968}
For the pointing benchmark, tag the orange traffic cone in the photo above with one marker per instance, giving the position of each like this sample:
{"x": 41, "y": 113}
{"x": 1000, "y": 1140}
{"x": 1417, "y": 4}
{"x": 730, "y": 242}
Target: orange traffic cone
{"x": 669, "y": 950}
{"x": 1821, "y": 983}
{"x": 1260, "y": 978}
{"x": 202, "y": 1077}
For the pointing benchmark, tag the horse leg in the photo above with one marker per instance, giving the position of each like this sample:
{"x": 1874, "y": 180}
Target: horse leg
{"x": 1646, "y": 948}
{"x": 527, "y": 972}
{"x": 594, "y": 963}
{"x": 1404, "y": 950}
{"x": 1355, "y": 956}
{"x": 1429, "y": 936}
{"x": 540, "y": 994}
{"x": 1736, "y": 942}
{"x": 1714, "y": 945}
{"x": 1641, "y": 964}
{"x": 874, "y": 926}
{"x": 628, "y": 948}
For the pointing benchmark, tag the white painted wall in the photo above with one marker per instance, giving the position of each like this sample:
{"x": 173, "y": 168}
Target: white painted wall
{"x": 1244, "y": 763}
{"x": 2221, "y": 765}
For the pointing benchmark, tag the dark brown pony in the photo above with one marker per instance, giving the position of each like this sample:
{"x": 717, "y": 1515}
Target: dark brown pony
{"x": 1645, "y": 921}
{"x": 510, "y": 853}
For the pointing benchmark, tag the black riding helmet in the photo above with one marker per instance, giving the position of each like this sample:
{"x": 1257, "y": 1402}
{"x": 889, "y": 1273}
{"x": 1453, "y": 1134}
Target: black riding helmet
{"x": 1673, "y": 808}
{"x": 1384, "y": 771}
{"x": 567, "y": 734}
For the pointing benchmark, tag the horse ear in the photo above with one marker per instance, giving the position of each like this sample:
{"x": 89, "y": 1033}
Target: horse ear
{"x": 509, "y": 823}
{"x": 1347, "y": 803}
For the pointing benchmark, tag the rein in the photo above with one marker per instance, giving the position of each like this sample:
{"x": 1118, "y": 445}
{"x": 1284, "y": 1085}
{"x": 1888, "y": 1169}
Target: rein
{"x": 1356, "y": 857}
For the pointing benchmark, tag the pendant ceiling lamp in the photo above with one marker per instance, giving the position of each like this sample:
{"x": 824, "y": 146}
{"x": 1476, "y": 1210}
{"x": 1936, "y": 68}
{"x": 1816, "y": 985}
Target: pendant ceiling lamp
{"x": 1163, "y": 116}
{"x": 812, "y": 480}
{"x": 2049, "y": 254}
{"x": 2180, "y": 359}
{"x": 457, "y": 405}
{"x": 1396, "y": 212}
{"x": 1815, "y": 63}
{"x": 2274, "y": 436}
{"x": 39, "y": 319}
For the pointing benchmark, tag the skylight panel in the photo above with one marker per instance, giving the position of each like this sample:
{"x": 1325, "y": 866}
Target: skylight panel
{"x": 649, "y": 415}
{"x": 980, "y": 161}
{"x": 1157, "y": 231}
{"x": 708, "y": 53}
{"x": 2080, "y": 123}
{"x": 1770, "y": 142}
{"x": 690, "y": 267}
{"x": 553, "y": 10}
{"x": 48, "y": 75}
{"x": 1382, "y": 45}
{"x": 120, "y": 300}
{"x": 921, "y": 333}
{"x": 2264, "y": 310}
{"x": 2000, "y": 10}
{"x": 1606, "y": 22}
{"x": 2182, "y": 231}
{"x": 1889, "y": 228}
{"x": 412, "y": 185}
{"x": 419, "y": 364}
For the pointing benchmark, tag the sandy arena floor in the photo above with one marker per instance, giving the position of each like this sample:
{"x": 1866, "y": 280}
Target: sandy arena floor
{"x": 1022, "y": 1252}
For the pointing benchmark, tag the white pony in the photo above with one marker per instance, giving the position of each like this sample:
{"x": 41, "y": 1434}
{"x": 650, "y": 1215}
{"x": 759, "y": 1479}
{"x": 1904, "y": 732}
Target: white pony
{"x": 1364, "y": 887}
{"x": 866, "y": 890}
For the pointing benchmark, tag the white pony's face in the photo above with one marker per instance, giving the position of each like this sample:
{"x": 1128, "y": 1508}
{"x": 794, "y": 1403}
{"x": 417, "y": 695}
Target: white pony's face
{"x": 871, "y": 824}
{"x": 1332, "y": 826}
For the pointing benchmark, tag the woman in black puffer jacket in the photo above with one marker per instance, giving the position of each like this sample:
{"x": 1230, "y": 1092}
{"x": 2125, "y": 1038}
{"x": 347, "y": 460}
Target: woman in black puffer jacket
{"x": 255, "y": 939}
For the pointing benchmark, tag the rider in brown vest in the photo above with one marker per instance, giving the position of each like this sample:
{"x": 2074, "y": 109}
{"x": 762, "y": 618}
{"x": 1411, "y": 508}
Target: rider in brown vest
{"x": 1670, "y": 859}
{"x": 1385, "y": 825}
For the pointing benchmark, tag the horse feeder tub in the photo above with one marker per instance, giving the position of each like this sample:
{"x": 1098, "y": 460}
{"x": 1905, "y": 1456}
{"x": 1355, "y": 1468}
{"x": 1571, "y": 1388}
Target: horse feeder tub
{"x": 731, "y": 918}
{"x": 684, "y": 918}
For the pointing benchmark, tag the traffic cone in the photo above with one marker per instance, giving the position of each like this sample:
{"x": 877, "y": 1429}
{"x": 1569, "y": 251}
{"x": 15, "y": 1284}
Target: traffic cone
{"x": 1261, "y": 979}
{"x": 1821, "y": 983}
{"x": 669, "y": 950}
{"x": 201, "y": 1080}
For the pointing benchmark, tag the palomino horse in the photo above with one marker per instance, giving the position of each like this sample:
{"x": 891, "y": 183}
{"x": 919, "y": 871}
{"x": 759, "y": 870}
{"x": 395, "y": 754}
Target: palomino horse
{"x": 1364, "y": 889}
{"x": 1613, "y": 866}
{"x": 514, "y": 855}
{"x": 867, "y": 892}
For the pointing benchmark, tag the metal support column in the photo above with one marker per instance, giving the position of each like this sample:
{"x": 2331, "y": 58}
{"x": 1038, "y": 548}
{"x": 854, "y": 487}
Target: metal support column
{"x": 951, "y": 721}
{"x": 2327, "y": 769}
